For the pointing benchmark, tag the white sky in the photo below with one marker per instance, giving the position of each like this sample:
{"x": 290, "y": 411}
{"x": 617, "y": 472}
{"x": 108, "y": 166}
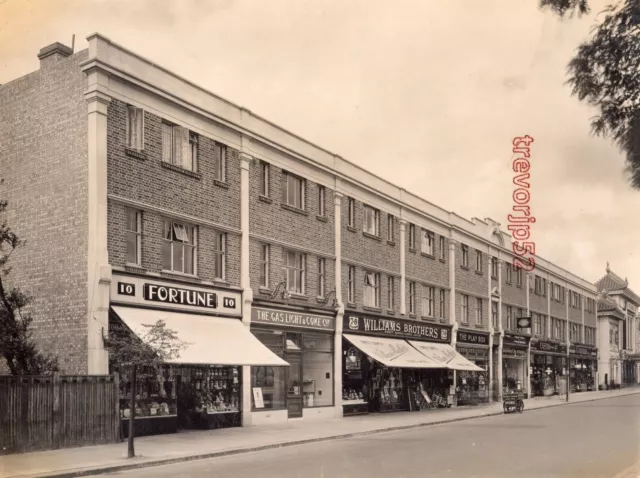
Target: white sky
{"x": 426, "y": 93}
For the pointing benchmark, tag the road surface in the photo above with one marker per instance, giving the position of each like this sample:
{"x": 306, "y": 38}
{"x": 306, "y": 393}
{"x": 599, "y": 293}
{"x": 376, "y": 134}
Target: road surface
{"x": 588, "y": 440}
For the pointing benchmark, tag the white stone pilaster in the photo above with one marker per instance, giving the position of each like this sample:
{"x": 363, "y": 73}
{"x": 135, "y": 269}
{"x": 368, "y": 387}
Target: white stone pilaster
{"x": 337, "y": 342}
{"x": 403, "y": 268}
{"x": 500, "y": 329}
{"x": 98, "y": 268}
{"x": 245, "y": 278}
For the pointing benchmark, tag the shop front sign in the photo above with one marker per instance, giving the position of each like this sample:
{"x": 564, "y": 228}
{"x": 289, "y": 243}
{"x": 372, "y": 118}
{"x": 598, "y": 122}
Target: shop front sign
{"x": 513, "y": 340}
{"x": 549, "y": 347}
{"x": 292, "y": 319}
{"x": 514, "y": 353}
{"x": 472, "y": 338}
{"x": 388, "y": 327}
{"x": 136, "y": 290}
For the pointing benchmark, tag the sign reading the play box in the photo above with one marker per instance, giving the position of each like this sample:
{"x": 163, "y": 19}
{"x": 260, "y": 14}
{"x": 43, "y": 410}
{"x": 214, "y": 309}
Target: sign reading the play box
{"x": 126, "y": 289}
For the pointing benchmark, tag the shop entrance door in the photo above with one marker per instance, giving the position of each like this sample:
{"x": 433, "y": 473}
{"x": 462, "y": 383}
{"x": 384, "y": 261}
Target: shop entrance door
{"x": 294, "y": 382}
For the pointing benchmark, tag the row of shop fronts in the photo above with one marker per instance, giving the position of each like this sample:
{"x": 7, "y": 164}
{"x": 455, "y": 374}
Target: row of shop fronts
{"x": 295, "y": 364}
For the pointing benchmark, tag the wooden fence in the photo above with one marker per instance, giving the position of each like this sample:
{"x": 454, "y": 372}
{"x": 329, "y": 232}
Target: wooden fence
{"x": 58, "y": 411}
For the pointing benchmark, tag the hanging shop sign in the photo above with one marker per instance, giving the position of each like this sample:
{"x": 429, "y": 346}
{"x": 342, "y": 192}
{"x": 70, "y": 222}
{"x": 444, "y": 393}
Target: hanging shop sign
{"x": 137, "y": 290}
{"x": 513, "y": 340}
{"x": 387, "y": 327}
{"x": 472, "y": 338}
{"x": 292, "y": 319}
{"x": 523, "y": 322}
{"x": 549, "y": 347}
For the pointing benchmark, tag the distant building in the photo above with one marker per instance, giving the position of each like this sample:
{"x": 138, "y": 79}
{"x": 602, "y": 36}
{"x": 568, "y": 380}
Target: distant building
{"x": 619, "y": 330}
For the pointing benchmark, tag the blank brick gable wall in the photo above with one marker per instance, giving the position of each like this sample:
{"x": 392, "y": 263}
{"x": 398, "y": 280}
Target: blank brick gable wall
{"x": 283, "y": 228}
{"x": 43, "y": 160}
{"x": 429, "y": 270}
{"x": 363, "y": 252}
{"x": 149, "y": 182}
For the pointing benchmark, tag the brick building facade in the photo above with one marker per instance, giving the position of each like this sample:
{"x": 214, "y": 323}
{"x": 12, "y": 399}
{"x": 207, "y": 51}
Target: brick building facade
{"x": 162, "y": 179}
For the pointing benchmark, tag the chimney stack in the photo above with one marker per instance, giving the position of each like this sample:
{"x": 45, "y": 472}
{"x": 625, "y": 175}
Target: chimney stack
{"x": 53, "y": 53}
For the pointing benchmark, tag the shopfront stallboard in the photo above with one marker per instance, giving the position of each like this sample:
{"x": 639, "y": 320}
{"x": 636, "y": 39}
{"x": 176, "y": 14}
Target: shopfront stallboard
{"x": 292, "y": 319}
{"x": 146, "y": 291}
{"x": 512, "y": 340}
{"x": 549, "y": 347}
{"x": 472, "y": 338}
{"x": 388, "y": 327}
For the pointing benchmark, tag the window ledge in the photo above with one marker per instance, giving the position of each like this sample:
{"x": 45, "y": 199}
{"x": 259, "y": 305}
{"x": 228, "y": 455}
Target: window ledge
{"x": 413, "y": 250}
{"x": 136, "y": 153}
{"x": 427, "y": 318}
{"x": 297, "y": 296}
{"x": 479, "y": 326}
{"x": 179, "y": 275}
{"x": 508, "y": 282}
{"x": 322, "y": 218}
{"x": 371, "y": 309}
{"x": 479, "y": 273}
{"x": 494, "y": 277}
{"x": 371, "y": 236}
{"x": 221, "y": 282}
{"x": 221, "y": 184}
{"x": 430, "y": 256}
{"x": 351, "y": 228}
{"x": 413, "y": 316}
{"x": 135, "y": 268}
{"x": 391, "y": 243}
{"x": 302, "y": 212}
{"x": 390, "y": 312}
{"x": 265, "y": 199}
{"x": 352, "y": 305}
{"x": 181, "y": 170}
{"x": 264, "y": 290}
{"x": 443, "y": 321}
{"x": 466, "y": 268}
{"x": 443, "y": 260}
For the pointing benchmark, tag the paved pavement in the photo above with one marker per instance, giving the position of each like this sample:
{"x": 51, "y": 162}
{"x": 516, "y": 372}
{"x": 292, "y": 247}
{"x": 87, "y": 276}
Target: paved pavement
{"x": 586, "y": 440}
{"x": 199, "y": 445}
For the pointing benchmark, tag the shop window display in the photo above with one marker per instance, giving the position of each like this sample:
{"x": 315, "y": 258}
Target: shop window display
{"x": 308, "y": 381}
{"x": 155, "y": 393}
{"x": 542, "y": 375}
{"x": 473, "y": 387}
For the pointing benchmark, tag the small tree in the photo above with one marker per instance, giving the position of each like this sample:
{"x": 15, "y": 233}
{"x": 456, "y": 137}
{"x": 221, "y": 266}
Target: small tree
{"x": 139, "y": 354}
{"x": 16, "y": 341}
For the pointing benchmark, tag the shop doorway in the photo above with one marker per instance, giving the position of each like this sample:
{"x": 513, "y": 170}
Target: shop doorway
{"x": 293, "y": 355}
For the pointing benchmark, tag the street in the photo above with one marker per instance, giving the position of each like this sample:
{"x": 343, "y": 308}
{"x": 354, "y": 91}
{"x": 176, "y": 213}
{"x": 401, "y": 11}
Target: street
{"x": 592, "y": 439}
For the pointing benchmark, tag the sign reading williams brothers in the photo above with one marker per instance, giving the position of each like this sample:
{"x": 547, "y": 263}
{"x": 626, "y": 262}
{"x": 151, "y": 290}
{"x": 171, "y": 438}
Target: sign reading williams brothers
{"x": 292, "y": 319}
{"x": 407, "y": 329}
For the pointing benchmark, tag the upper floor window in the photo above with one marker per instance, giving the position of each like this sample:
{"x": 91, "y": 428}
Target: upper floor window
{"x": 293, "y": 191}
{"x": 494, "y": 314}
{"x": 537, "y": 285}
{"x": 133, "y": 232}
{"x": 441, "y": 308}
{"x": 428, "y": 301}
{"x": 412, "y": 298}
{"x": 265, "y": 260}
{"x": 443, "y": 248}
{"x": 221, "y": 162}
{"x": 351, "y": 286}
{"x": 372, "y": 289}
{"x": 351, "y": 212}
{"x": 465, "y": 256}
{"x": 509, "y": 272}
{"x": 478, "y": 261}
{"x": 494, "y": 268}
{"x": 509, "y": 322}
{"x": 465, "y": 308}
{"x": 179, "y": 147}
{"x": 428, "y": 241}
{"x": 412, "y": 236}
{"x": 294, "y": 271}
{"x": 179, "y": 248}
{"x": 518, "y": 276}
{"x": 590, "y": 335}
{"x": 135, "y": 128}
{"x": 479, "y": 318}
{"x": 391, "y": 293}
{"x": 220, "y": 254}
{"x": 391, "y": 228}
{"x": 265, "y": 179}
{"x": 574, "y": 333}
{"x": 322, "y": 199}
{"x": 322, "y": 276}
{"x": 538, "y": 326}
{"x": 371, "y": 221}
